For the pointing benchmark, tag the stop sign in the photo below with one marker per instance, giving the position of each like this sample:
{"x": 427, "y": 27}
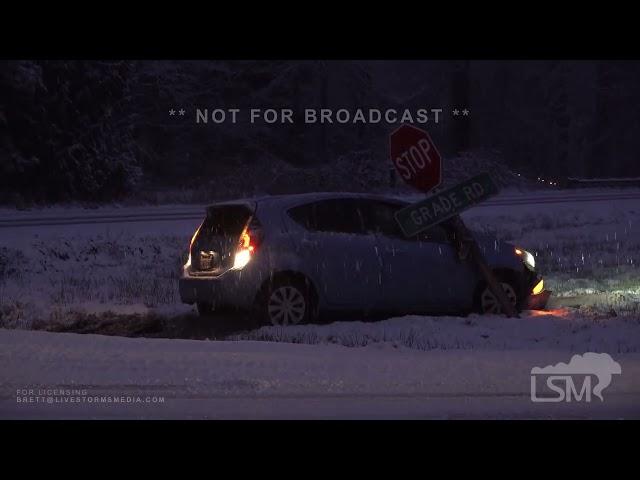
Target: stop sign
{"x": 416, "y": 157}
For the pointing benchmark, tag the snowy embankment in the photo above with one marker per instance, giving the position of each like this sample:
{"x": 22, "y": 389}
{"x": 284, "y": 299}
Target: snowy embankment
{"x": 561, "y": 329}
{"x": 120, "y": 277}
{"x": 588, "y": 250}
{"x": 48, "y": 273}
{"x": 113, "y": 377}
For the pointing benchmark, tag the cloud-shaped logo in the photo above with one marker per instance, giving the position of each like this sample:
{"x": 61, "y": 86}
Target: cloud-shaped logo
{"x": 599, "y": 364}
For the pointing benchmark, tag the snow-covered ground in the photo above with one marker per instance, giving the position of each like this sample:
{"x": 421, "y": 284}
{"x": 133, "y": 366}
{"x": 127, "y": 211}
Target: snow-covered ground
{"x": 582, "y": 248}
{"x": 118, "y": 276}
{"x": 559, "y": 329}
{"x": 588, "y": 252}
{"x": 60, "y": 375}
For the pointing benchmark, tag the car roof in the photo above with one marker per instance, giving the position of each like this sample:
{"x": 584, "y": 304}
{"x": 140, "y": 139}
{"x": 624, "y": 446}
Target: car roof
{"x": 300, "y": 198}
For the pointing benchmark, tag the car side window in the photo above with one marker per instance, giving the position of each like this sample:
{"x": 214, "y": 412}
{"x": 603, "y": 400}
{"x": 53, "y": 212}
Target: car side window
{"x": 380, "y": 219}
{"x": 334, "y": 215}
{"x": 304, "y": 215}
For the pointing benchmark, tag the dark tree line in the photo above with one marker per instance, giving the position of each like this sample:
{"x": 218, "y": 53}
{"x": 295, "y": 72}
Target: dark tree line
{"x": 98, "y": 130}
{"x": 61, "y": 136}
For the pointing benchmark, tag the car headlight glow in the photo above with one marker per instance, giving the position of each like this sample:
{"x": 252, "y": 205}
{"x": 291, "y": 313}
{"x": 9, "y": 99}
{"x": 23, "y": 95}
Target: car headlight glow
{"x": 527, "y": 258}
{"x": 538, "y": 288}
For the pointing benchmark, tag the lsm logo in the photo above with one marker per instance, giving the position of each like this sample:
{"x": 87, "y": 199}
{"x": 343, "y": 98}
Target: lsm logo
{"x": 595, "y": 370}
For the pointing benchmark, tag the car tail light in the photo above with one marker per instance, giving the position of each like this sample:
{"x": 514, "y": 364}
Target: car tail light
{"x": 250, "y": 240}
{"x": 193, "y": 239}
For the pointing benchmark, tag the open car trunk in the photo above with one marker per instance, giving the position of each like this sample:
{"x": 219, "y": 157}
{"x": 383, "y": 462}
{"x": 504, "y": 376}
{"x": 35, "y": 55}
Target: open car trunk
{"x": 215, "y": 245}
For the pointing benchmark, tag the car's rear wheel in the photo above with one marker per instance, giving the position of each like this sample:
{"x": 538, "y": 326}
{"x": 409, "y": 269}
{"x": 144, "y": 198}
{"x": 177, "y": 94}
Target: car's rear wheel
{"x": 286, "y": 301}
{"x": 489, "y": 304}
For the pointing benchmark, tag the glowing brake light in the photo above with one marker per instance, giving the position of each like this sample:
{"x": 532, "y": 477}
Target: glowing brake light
{"x": 246, "y": 248}
{"x": 193, "y": 239}
{"x": 245, "y": 240}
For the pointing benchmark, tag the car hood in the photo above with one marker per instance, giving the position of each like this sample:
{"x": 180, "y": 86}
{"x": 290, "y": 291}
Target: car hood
{"x": 498, "y": 253}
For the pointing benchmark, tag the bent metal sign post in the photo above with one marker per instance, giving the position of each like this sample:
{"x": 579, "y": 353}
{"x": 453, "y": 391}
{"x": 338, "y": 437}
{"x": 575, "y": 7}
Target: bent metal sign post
{"x": 419, "y": 163}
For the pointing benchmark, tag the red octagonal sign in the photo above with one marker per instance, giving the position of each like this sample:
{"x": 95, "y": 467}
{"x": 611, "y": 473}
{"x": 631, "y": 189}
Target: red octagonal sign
{"x": 416, "y": 157}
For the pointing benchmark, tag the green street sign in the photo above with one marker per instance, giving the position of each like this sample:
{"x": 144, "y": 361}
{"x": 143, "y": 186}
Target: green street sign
{"x": 444, "y": 205}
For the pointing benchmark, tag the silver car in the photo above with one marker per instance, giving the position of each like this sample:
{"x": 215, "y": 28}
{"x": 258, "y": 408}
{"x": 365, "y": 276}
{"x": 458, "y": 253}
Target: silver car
{"x": 287, "y": 258}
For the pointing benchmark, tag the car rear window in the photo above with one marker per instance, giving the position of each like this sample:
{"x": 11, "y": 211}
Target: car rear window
{"x": 215, "y": 244}
{"x": 225, "y": 220}
{"x": 336, "y": 215}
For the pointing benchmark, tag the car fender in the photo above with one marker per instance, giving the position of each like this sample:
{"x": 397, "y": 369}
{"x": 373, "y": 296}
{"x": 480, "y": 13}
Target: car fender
{"x": 503, "y": 260}
{"x": 282, "y": 259}
{"x": 499, "y": 254}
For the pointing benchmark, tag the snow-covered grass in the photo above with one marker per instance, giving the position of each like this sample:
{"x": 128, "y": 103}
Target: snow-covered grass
{"x": 581, "y": 248}
{"x": 45, "y": 278}
{"x": 127, "y": 274}
{"x": 562, "y": 329}
{"x": 121, "y": 279}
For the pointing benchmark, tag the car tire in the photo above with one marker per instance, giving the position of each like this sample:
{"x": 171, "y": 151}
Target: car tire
{"x": 487, "y": 304}
{"x": 204, "y": 309}
{"x": 285, "y": 301}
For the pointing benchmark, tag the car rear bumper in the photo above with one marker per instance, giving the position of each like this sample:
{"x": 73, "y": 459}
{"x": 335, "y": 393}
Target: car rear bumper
{"x": 232, "y": 289}
{"x": 194, "y": 290}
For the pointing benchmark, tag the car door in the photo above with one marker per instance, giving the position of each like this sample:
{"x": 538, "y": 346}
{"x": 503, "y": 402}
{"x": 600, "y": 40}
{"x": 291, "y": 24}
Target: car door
{"x": 339, "y": 256}
{"x": 422, "y": 273}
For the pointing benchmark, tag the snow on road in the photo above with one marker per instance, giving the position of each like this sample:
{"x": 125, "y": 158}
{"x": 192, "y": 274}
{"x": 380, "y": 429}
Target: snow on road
{"x": 155, "y": 378}
{"x": 160, "y": 214}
